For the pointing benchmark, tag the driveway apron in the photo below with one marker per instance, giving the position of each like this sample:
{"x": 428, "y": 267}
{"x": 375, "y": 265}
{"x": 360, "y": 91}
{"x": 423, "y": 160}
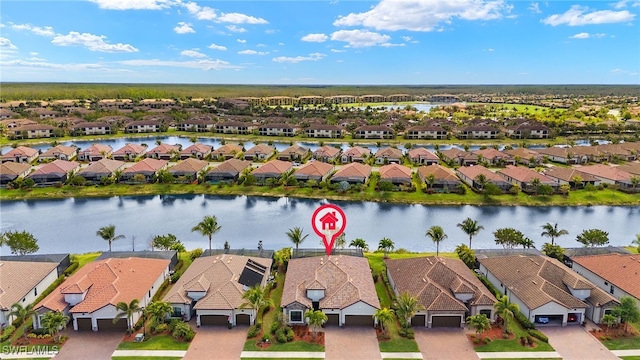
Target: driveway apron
{"x": 351, "y": 342}
{"x": 574, "y": 342}
{"x": 217, "y": 342}
{"x": 444, "y": 344}
{"x": 98, "y": 345}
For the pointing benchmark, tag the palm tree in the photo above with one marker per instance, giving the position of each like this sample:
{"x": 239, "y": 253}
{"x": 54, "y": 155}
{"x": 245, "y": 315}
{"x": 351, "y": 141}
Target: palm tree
{"x": 207, "y": 227}
{"x": 506, "y": 310}
{"x": 636, "y": 241}
{"x": 22, "y": 313}
{"x": 479, "y": 322}
{"x": 108, "y": 233}
{"x": 437, "y": 235}
{"x": 53, "y": 321}
{"x": 386, "y": 245}
{"x": 359, "y": 244}
{"x": 127, "y": 311}
{"x": 552, "y": 231}
{"x": 296, "y": 237}
{"x": 315, "y": 319}
{"x": 481, "y": 180}
{"x": 471, "y": 228}
{"x": 256, "y": 297}
{"x": 407, "y": 306}
{"x": 158, "y": 311}
{"x": 384, "y": 316}
{"x": 609, "y": 319}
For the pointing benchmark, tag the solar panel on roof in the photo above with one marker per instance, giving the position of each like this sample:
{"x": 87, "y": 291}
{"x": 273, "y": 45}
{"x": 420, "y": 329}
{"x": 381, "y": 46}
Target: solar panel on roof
{"x": 250, "y": 277}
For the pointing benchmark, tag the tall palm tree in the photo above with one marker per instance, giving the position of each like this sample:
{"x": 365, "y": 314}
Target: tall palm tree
{"x": 386, "y": 245}
{"x": 437, "y": 235}
{"x": 470, "y": 227}
{"x": 407, "y": 306}
{"x": 207, "y": 227}
{"x": 551, "y": 230}
{"x": 22, "y": 313}
{"x": 315, "y": 319}
{"x": 384, "y": 316}
{"x": 127, "y": 311}
{"x": 296, "y": 236}
{"x": 256, "y": 297}
{"x": 359, "y": 244}
{"x": 53, "y": 321}
{"x": 506, "y": 310}
{"x": 108, "y": 233}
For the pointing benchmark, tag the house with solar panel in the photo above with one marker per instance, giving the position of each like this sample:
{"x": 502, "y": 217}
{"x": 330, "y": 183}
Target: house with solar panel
{"x": 212, "y": 287}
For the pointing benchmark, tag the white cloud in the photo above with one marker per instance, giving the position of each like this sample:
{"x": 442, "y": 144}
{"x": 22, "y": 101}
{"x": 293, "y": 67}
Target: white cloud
{"x": 236, "y": 29}
{"x": 237, "y": 18}
{"x": 252, "y": 52}
{"x": 585, "y": 35}
{"x": 315, "y": 38}
{"x": 217, "y": 47}
{"x": 416, "y": 15}
{"x": 183, "y": 28}
{"x": 42, "y": 31}
{"x": 33, "y": 53}
{"x": 360, "y": 38}
{"x": 194, "y": 53}
{"x": 6, "y": 44}
{"x": 241, "y": 41}
{"x": 53, "y": 66}
{"x": 297, "y": 59}
{"x": 535, "y": 7}
{"x": 577, "y": 16}
{"x": 205, "y": 64}
{"x": 391, "y": 45}
{"x": 338, "y": 50}
{"x": 134, "y": 4}
{"x": 91, "y": 42}
{"x": 201, "y": 13}
{"x": 624, "y": 72}
{"x": 623, "y": 4}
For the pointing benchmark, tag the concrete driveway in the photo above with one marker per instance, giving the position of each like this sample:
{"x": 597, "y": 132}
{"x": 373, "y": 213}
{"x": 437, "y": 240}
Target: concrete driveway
{"x": 351, "y": 342}
{"x": 574, "y": 342}
{"x": 440, "y": 344}
{"x": 97, "y": 345}
{"x": 217, "y": 342}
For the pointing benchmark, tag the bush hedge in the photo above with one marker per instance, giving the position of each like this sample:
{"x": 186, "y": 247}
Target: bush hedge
{"x": 538, "y": 335}
{"x": 6, "y": 333}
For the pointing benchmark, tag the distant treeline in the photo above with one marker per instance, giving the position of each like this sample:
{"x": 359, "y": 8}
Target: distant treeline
{"x": 60, "y": 91}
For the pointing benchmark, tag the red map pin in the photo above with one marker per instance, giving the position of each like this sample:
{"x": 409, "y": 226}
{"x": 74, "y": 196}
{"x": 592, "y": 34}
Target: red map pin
{"x": 328, "y": 221}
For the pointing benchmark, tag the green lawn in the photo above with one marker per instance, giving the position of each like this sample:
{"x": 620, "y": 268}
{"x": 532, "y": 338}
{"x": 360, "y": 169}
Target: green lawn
{"x": 630, "y": 357}
{"x": 376, "y": 259}
{"x": 159, "y": 342}
{"x": 513, "y": 344}
{"x": 83, "y": 259}
{"x": 250, "y": 345}
{"x": 622, "y": 343}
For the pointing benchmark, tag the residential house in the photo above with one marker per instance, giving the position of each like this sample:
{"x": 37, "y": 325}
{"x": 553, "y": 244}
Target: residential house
{"x": 164, "y": 152}
{"x": 21, "y": 282}
{"x": 355, "y": 154}
{"x": 294, "y": 153}
{"x": 375, "y": 98}
{"x": 470, "y": 175}
{"x": 546, "y": 290}
{"x": 95, "y": 152}
{"x": 212, "y": 289}
{"x": 373, "y": 132}
{"x": 585, "y": 154}
{"x": 144, "y": 126}
{"x": 339, "y": 286}
{"x": 617, "y": 274}
{"x": 524, "y": 177}
{"x": 171, "y": 255}
{"x": 21, "y": 154}
{"x": 529, "y": 130}
{"x": 7, "y": 114}
{"x": 396, "y": 174}
{"x": 494, "y": 157}
{"x": 479, "y": 132}
{"x": 147, "y": 167}
{"x": 197, "y": 124}
{"x": 229, "y": 170}
{"x": 562, "y": 155}
{"x": 91, "y": 128}
{"x": 396, "y": 98}
{"x": 10, "y": 124}
{"x": 188, "y": 168}
{"x": 618, "y": 152}
{"x": 42, "y": 113}
{"x": 609, "y": 174}
{"x": 327, "y": 153}
{"x": 129, "y": 152}
{"x": 103, "y": 168}
{"x": 341, "y": 99}
{"x": 90, "y": 295}
{"x": 425, "y": 132}
{"x": 279, "y": 101}
{"x": 314, "y": 170}
{"x": 115, "y": 104}
{"x": 572, "y": 176}
{"x": 631, "y": 168}
{"x": 31, "y": 131}
{"x": 525, "y": 156}
{"x": 443, "y": 178}
{"x": 353, "y": 173}
{"x": 310, "y": 100}
{"x": 273, "y": 169}
{"x": 55, "y": 172}
{"x": 458, "y": 157}
{"x": 61, "y": 152}
{"x": 197, "y": 150}
{"x": 324, "y": 131}
{"x": 234, "y": 127}
{"x": 388, "y": 155}
{"x": 226, "y": 151}
{"x": 259, "y": 152}
{"x": 10, "y": 171}
{"x": 446, "y": 288}
{"x": 420, "y": 155}
{"x": 276, "y": 130}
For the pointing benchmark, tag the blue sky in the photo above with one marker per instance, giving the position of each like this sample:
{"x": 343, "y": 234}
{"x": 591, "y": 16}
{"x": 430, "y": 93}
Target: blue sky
{"x": 387, "y": 42}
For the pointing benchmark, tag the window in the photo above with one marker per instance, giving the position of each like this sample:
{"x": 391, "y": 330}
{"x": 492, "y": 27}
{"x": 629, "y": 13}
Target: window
{"x": 606, "y": 283}
{"x": 177, "y": 311}
{"x": 486, "y": 313}
{"x": 611, "y": 289}
{"x": 35, "y": 291}
{"x": 295, "y": 315}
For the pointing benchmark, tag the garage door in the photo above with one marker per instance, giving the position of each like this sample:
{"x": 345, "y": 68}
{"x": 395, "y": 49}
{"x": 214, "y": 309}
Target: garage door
{"x": 358, "y": 320}
{"x": 333, "y": 319}
{"x": 418, "y": 320}
{"x": 214, "y": 319}
{"x": 108, "y": 325}
{"x": 243, "y": 319}
{"x": 445, "y": 321}
{"x": 84, "y": 324}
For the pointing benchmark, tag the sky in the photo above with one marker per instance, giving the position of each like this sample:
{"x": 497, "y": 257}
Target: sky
{"x": 337, "y": 42}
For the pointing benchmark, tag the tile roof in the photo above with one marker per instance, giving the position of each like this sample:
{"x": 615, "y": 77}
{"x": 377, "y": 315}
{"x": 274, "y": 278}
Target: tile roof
{"x": 523, "y": 153}
{"x": 326, "y": 150}
{"x": 606, "y": 172}
{"x": 218, "y": 277}
{"x": 197, "y": 147}
{"x": 108, "y": 281}
{"x": 394, "y": 171}
{"x": 436, "y": 280}
{"x": 189, "y": 165}
{"x": 314, "y": 168}
{"x": 59, "y": 149}
{"x": 524, "y": 174}
{"x": 130, "y": 149}
{"x": 623, "y": 271}
{"x": 164, "y": 149}
{"x": 346, "y": 280}
{"x": 273, "y": 167}
{"x": 357, "y": 151}
{"x": 491, "y": 153}
{"x": 422, "y": 152}
{"x": 146, "y": 165}
{"x": 631, "y": 168}
{"x": 473, "y": 171}
{"x": 102, "y": 166}
{"x": 294, "y": 150}
{"x": 14, "y": 168}
{"x": 234, "y": 166}
{"x": 227, "y": 149}
{"x": 441, "y": 173}
{"x": 97, "y": 149}
{"x": 568, "y": 174}
{"x": 260, "y": 149}
{"x": 18, "y": 278}
{"x": 389, "y": 152}
{"x": 56, "y": 167}
{"x": 20, "y": 151}
{"x": 353, "y": 170}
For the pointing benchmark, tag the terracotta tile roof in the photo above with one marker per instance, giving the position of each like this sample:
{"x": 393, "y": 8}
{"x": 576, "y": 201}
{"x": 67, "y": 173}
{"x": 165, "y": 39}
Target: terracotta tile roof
{"x": 97, "y": 149}
{"x": 227, "y": 149}
{"x": 326, "y": 150}
{"x": 523, "y": 153}
{"x": 18, "y": 278}
{"x": 473, "y": 171}
{"x": 218, "y": 277}
{"x": 389, "y": 152}
{"x": 108, "y": 281}
{"x": 146, "y": 165}
{"x": 491, "y": 153}
{"x": 102, "y": 166}
{"x": 14, "y": 168}
{"x": 189, "y": 165}
{"x": 314, "y": 168}
{"x": 20, "y": 151}
{"x": 32, "y": 127}
{"x": 623, "y": 271}
{"x": 294, "y": 150}
{"x": 441, "y": 173}
{"x": 453, "y": 153}
{"x": 436, "y": 280}
{"x": 556, "y": 151}
{"x": 422, "y": 152}
{"x": 568, "y": 174}
{"x": 631, "y": 168}
{"x": 346, "y": 280}
{"x": 606, "y": 172}
{"x": 56, "y": 167}
{"x": 164, "y": 149}
{"x": 232, "y": 166}
{"x": 260, "y": 149}
{"x": 353, "y": 170}
{"x": 357, "y": 151}
{"x": 130, "y": 149}
{"x": 197, "y": 148}
{"x": 525, "y": 175}
{"x": 394, "y": 171}
{"x": 59, "y": 149}
{"x": 273, "y": 167}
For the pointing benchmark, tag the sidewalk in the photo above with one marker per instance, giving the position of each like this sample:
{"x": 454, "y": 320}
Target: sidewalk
{"x": 401, "y": 355}
{"x": 630, "y": 352}
{"x": 150, "y": 353}
{"x": 282, "y": 354}
{"x": 518, "y": 355}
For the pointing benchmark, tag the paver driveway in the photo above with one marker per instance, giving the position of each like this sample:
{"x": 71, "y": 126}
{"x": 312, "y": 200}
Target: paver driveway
{"x": 98, "y": 345}
{"x": 441, "y": 344}
{"x": 574, "y": 342}
{"x": 351, "y": 342}
{"x": 217, "y": 342}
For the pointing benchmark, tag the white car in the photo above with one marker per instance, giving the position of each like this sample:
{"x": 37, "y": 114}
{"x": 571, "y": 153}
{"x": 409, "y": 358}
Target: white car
{"x": 543, "y": 320}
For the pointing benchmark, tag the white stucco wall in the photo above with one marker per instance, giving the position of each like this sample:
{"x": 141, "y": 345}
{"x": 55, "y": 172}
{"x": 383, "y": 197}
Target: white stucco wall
{"x": 30, "y": 296}
{"x": 602, "y": 283}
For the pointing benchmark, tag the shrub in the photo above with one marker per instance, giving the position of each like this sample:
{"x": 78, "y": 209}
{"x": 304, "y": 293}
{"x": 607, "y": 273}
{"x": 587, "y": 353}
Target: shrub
{"x": 281, "y": 336}
{"x": 6, "y": 333}
{"x": 523, "y": 341}
{"x": 290, "y": 335}
{"x": 530, "y": 340}
{"x": 266, "y": 337}
{"x": 175, "y": 277}
{"x": 253, "y": 331}
{"x": 32, "y": 335}
{"x": 410, "y": 334}
{"x": 538, "y": 335}
{"x": 505, "y": 336}
{"x": 173, "y": 323}
{"x": 16, "y": 323}
{"x": 195, "y": 253}
{"x": 524, "y": 321}
{"x": 161, "y": 328}
{"x": 274, "y": 327}
{"x": 39, "y": 331}
{"x": 486, "y": 340}
{"x": 183, "y": 331}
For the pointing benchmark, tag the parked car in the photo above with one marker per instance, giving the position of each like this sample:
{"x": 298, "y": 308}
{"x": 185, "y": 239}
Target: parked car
{"x": 543, "y": 320}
